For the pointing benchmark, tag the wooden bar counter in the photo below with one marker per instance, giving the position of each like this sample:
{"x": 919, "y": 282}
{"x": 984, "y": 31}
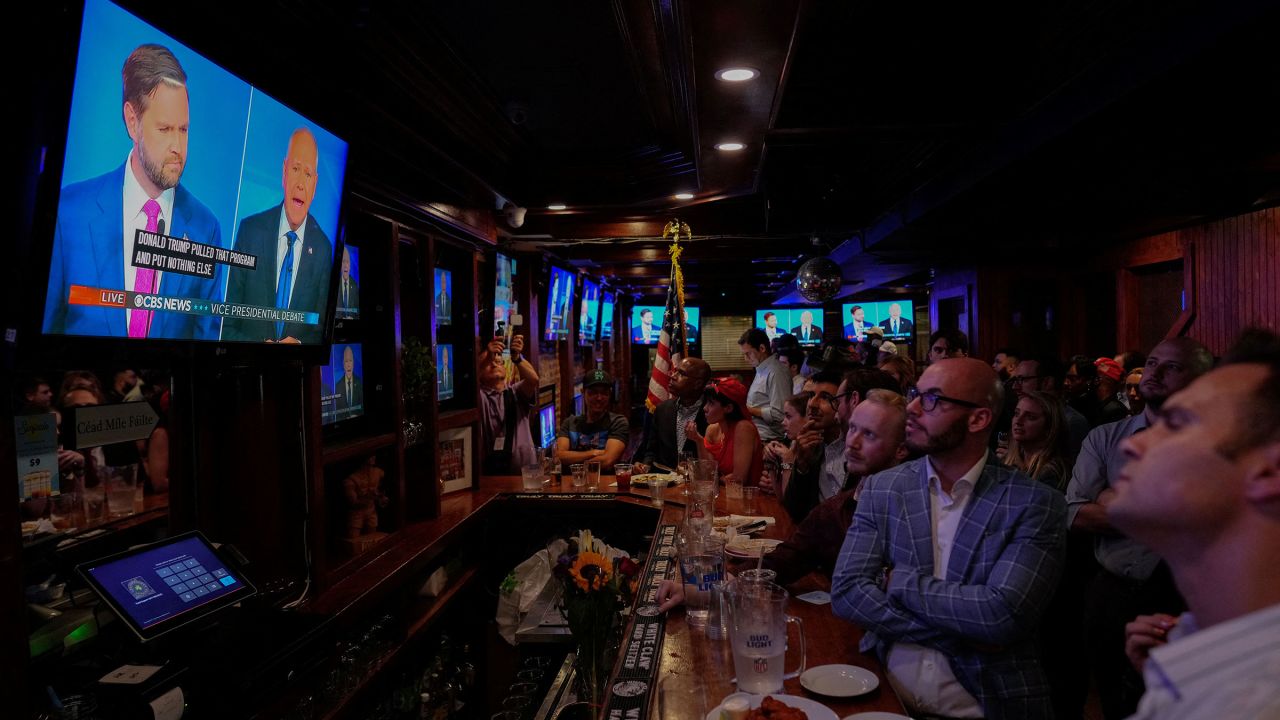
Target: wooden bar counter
{"x": 693, "y": 665}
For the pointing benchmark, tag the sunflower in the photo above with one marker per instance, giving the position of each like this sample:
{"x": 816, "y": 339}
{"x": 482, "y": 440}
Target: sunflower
{"x": 590, "y": 571}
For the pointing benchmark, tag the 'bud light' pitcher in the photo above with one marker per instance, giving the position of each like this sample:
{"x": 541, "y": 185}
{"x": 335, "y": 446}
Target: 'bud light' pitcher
{"x": 758, "y": 634}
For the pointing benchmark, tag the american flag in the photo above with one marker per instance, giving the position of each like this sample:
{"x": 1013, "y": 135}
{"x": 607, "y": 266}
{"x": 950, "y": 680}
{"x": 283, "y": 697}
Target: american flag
{"x": 671, "y": 340}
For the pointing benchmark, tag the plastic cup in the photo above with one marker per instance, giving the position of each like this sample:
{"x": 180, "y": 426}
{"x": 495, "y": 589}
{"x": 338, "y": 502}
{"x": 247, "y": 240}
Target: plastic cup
{"x": 622, "y": 471}
{"x": 122, "y": 489}
{"x": 95, "y": 503}
{"x": 579, "y": 472}
{"x": 749, "y": 500}
{"x": 657, "y": 491}
{"x": 532, "y": 476}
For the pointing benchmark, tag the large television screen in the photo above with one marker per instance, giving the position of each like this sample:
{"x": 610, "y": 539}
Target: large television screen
{"x": 503, "y": 294}
{"x": 803, "y": 322}
{"x": 342, "y": 381}
{"x": 895, "y": 317}
{"x": 646, "y": 324}
{"x": 348, "y": 305}
{"x": 193, "y": 206}
{"x": 606, "y": 316}
{"x": 444, "y": 297}
{"x": 558, "y": 304}
{"x": 590, "y": 311}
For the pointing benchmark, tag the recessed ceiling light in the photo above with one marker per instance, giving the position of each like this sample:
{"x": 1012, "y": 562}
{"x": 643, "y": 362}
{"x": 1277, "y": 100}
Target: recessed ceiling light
{"x": 684, "y": 196}
{"x": 737, "y": 74}
{"x": 730, "y": 146}
{"x": 557, "y": 206}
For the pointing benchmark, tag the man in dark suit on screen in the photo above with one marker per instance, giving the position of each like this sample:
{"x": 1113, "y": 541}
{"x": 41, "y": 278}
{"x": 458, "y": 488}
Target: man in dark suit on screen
{"x": 294, "y": 255}
{"x": 98, "y": 218}
{"x": 348, "y": 389}
{"x": 896, "y": 325}
{"x": 806, "y": 331}
{"x": 348, "y": 288}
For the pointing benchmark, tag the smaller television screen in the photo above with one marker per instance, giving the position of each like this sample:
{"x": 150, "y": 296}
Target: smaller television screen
{"x": 895, "y": 317}
{"x": 646, "y": 324}
{"x": 503, "y": 294}
{"x": 606, "y": 316}
{"x": 803, "y": 322}
{"x": 693, "y": 324}
{"x": 444, "y": 297}
{"x": 349, "y": 285}
{"x": 343, "y": 380}
{"x": 558, "y": 304}
{"x": 578, "y": 408}
{"x": 590, "y": 311}
{"x": 547, "y": 425}
{"x": 444, "y": 372}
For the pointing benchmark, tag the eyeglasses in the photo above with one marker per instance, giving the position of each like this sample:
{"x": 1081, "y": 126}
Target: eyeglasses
{"x": 1019, "y": 379}
{"x": 929, "y": 399}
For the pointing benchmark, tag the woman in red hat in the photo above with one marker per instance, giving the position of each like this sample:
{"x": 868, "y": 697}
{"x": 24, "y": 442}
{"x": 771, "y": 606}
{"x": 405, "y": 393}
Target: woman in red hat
{"x": 732, "y": 439}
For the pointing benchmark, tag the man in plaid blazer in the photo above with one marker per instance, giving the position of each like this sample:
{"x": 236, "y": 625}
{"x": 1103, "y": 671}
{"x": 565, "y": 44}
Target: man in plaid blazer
{"x": 951, "y": 559}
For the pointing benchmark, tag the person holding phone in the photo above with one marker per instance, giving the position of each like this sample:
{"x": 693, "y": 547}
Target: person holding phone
{"x": 506, "y": 441}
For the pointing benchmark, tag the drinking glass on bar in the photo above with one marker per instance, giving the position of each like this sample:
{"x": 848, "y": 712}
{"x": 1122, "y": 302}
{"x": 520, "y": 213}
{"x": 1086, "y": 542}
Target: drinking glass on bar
{"x": 122, "y": 489}
{"x": 593, "y": 474}
{"x": 579, "y": 472}
{"x": 749, "y": 500}
{"x": 532, "y": 476}
{"x": 657, "y": 491}
{"x": 622, "y": 471}
{"x": 701, "y": 565}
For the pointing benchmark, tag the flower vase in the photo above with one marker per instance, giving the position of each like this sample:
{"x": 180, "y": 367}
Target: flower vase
{"x": 592, "y": 621}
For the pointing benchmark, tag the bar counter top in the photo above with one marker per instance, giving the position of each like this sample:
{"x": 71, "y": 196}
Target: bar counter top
{"x": 693, "y": 664}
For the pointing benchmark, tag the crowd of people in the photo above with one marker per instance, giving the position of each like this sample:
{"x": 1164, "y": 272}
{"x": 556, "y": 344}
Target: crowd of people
{"x": 1004, "y": 531}
{"x": 85, "y": 388}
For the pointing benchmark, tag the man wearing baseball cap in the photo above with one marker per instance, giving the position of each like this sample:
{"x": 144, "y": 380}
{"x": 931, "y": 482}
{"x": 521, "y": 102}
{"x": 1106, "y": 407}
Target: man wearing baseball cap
{"x": 1110, "y": 384}
{"x": 598, "y": 434}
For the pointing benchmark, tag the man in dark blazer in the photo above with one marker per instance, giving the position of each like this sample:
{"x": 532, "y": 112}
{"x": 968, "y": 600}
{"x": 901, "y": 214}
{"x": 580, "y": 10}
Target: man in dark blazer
{"x": 661, "y": 438}
{"x": 348, "y": 387}
{"x": 896, "y": 325}
{"x": 806, "y": 331}
{"x": 284, "y": 232}
{"x": 93, "y": 239}
{"x": 348, "y": 288}
{"x": 952, "y": 559}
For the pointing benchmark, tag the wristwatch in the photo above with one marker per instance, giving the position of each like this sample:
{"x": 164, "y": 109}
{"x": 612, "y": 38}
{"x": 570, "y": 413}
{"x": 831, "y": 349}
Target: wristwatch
{"x": 787, "y": 465}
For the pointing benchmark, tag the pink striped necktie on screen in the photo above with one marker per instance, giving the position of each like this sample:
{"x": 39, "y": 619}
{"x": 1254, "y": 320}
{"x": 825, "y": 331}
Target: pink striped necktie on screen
{"x": 144, "y": 280}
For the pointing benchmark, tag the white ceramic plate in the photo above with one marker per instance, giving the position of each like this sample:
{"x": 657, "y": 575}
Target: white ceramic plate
{"x": 643, "y": 479}
{"x": 839, "y": 680}
{"x": 754, "y": 548}
{"x": 814, "y": 709}
{"x": 876, "y": 715}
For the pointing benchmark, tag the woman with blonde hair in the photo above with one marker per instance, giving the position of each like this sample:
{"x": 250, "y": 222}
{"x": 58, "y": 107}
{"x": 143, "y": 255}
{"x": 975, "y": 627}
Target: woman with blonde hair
{"x": 1039, "y": 443}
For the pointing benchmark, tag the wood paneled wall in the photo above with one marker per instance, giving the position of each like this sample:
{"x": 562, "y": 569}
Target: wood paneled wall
{"x": 1236, "y": 262}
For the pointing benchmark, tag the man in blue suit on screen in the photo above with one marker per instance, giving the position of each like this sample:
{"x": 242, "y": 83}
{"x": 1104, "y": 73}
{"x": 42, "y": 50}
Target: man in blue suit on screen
{"x": 99, "y": 218}
{"x": 294, "y": 255}
{"x": 952, "y": 559}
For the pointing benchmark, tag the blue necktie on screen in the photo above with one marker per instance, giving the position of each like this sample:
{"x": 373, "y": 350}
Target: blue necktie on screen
{"x": 285, "y": 283}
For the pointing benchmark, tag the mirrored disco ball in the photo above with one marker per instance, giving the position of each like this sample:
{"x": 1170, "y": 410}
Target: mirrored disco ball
{"x": 819, "y": 279}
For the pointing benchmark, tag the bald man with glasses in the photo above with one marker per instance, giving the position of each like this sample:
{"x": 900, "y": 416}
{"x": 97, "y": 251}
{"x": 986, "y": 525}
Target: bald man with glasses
{"x": 952, "y": 559}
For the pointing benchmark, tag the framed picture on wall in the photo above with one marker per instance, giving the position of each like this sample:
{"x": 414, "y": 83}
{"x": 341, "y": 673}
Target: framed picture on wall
{"x": 456, "y": 472}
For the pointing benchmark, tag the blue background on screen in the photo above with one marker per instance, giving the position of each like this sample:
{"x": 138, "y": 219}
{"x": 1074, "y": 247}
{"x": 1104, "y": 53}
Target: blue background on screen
{"x": 443, "y": 391}
{"x": 657, "y": 311}
{"x": 590, "y": 293}
{"x": 163, "y": 604}
{"x": 875, "y": 311}
{"x": 547, "y": 425}
{"x": 335, "y": 363}
{"x": 326, "y": 390}
{"x": 559, "y": 297}
{"x": 789, "y": 318}
{"x": 234, "y": 129}
{"x": 606, "y": 316}
{"x": 353, "y": 253}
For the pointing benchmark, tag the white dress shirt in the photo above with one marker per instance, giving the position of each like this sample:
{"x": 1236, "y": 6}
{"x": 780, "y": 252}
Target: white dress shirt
{"x": 922, "y": 676}
{"x": 1229, "y": 670}
{"x": 134, "y": 219}
{"x": 282, "y": 248}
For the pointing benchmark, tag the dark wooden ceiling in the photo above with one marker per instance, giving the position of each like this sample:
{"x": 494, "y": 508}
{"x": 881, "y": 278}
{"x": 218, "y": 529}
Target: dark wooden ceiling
{"x": 897, "y": 137}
